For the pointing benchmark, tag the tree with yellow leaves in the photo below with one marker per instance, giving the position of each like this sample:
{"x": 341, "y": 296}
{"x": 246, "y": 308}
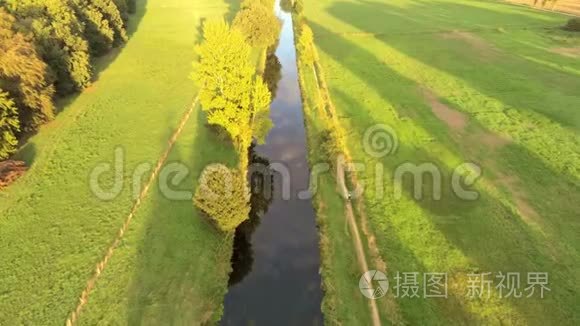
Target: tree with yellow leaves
{"x": 230, "y": 92}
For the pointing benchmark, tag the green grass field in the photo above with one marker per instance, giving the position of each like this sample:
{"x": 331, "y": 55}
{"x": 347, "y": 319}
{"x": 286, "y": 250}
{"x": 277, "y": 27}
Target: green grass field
{"x": 171, "y": 267}
{"x": 458, "y": 81}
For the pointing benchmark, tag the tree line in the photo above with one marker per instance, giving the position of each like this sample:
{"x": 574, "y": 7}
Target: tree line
{"x": 236, "y": 100}
{"x": 46, "y": 51}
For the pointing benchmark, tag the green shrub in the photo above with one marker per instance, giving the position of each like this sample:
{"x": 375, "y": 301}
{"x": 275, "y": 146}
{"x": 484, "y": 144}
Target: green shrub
{"x": 330, "y": 145}
{"x": 305, "y": 46}
{"x": 299, "y": 7}
{"x": 573, "y": 25}
{"x": 223, "y": 195}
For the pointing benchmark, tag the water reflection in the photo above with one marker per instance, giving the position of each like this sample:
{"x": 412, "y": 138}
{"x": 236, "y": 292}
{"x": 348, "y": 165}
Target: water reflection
{"x": 273, "y": 73}
{"x": 287, "y": 5}
{"x": 243, "y": 255}
{"x": 278, "y": 280}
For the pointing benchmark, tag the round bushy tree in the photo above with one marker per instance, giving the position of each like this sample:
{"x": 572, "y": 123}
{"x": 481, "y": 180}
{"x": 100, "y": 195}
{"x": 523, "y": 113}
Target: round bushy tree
{"x": 223, "y": 195}
{"x": 258, "y": 23}
{"x": 230, "y": 93}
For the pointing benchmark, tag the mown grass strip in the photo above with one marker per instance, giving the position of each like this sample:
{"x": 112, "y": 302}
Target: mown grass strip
{"x": 102, "y": 264}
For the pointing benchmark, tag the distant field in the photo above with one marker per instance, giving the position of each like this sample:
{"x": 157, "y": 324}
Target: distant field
{"x": 567, "y": 6}
{"x": 171, "y": 266}
{"x": 458, "y": 81}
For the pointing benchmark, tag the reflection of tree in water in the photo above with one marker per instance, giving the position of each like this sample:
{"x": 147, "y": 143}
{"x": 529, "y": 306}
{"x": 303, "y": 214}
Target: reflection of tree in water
{"x": 272, "y": 73}
{"x": 262, "y": 186}
{"x": 287, "y": 5}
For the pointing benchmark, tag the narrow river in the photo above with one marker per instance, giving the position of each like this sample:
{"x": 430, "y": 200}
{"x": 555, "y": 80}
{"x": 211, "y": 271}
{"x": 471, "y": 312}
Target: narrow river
{"x": 276, "y": 264}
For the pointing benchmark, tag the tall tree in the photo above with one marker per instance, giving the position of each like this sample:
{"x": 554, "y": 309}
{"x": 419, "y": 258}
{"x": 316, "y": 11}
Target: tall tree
{"x": 98, "y": 32}
{"x": 58, "y": 36}
{"x": 123, "y": 7}
{"x": 229, "y": 92}
{"x": 22, "y": 74}
{"x": 9, "y": 125}
{"x": 112, "y": 14}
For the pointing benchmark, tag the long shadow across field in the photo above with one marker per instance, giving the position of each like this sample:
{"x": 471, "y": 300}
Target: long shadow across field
{"x": 103, "y": 62}
{"x": 497, "y": 71}
{"x": 506, "y": 80}
{"x": 27, "y": 150}
{"x": 506, "y": 77}
{"x": 451, "y": 216}
{"x": 181, "y": 273}
{"x": 469, "y": 232}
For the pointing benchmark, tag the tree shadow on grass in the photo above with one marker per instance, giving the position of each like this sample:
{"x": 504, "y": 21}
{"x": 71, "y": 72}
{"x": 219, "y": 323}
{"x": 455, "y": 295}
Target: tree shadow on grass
{"x": 479, "y": 231}
{"x": 183, "y": 265}
{"x": 183, "y": 262}
{"x": 101, "y": 63}
{"x": 26, "y": 153}
{"x": 459, "y": 55}
{"x": 536, "y": 175}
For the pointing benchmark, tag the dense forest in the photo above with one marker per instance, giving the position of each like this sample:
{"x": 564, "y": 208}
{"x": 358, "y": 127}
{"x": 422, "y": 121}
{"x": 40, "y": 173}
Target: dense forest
{"x": 47, "y": 49}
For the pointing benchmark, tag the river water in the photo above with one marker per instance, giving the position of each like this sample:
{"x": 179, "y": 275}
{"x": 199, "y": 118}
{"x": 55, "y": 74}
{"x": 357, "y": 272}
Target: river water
{"x": 276, "y": 278}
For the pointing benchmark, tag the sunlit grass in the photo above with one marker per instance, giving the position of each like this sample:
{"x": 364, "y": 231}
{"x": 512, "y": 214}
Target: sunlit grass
{"x": 53, "y": 230}
{"x": 379, "y": 58}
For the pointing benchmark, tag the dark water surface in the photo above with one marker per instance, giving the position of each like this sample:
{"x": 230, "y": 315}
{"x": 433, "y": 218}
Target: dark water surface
{"x": 276, "y": 277}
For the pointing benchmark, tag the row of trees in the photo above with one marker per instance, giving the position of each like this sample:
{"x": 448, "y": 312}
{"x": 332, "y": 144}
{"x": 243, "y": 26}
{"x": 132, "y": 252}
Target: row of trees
{"x": 236, "y": 100}
{"x": 46, "y": 50}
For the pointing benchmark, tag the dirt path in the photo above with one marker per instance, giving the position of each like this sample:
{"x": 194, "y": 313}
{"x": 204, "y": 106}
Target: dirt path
{"x": 102, "y": 264}
{"x": 358, "y": 246}
{"x": 349, "y": 212}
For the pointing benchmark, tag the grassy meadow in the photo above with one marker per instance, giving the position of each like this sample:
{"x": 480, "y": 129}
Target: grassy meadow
{"x": 458, "y": 81}
{"x": 171, "y": 266}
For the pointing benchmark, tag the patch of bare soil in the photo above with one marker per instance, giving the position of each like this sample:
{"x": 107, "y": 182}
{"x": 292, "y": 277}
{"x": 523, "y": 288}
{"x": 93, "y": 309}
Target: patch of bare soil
{"x": 527, "y": 212}
{"x": 475, "y": 43}
{"x": 453, "y": 119}
{"x": 457, "y": 121}
{"x": 490, "y": 140}
{"x": 91, "y": 88}
{"x": 475, "y": 141}
{"x": 10, "y": 171}
{"x": 567, "y": 52}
